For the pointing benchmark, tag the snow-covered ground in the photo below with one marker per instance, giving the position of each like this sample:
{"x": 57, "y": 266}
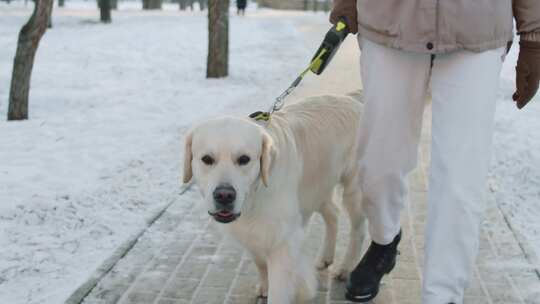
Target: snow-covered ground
{"x": 102, "y": 149}
{"x": 515, "y": 173}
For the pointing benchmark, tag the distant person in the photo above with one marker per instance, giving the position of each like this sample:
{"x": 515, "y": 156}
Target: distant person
{"x": 241, "y": 5}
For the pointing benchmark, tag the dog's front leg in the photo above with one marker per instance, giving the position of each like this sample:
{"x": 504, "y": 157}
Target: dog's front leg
{"x": 281, "y": 276}
{"x": 262, "y": 267}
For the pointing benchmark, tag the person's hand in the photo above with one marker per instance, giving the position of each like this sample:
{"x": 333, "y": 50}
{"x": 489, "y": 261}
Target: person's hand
{"x": 527, "y": 72}
{"x": 345, "y": 9}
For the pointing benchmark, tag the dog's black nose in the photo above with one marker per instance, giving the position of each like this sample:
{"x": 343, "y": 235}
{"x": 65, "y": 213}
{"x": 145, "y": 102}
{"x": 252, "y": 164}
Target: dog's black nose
{"x": 224, "y": 195}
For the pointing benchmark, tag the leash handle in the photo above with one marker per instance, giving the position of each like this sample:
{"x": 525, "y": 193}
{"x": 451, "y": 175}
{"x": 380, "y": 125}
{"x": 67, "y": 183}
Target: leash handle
{"x": 331, "y": 43}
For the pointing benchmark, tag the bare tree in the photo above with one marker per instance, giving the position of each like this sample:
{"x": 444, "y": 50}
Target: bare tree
{"x": 184, "y": 4}
{"x": 27, "y": 46}
{"x": 152, "y": 4}
{"x": 218, "y": 39}
{"x": 50, "y": 23}
{"x": 105, "y": 11}
{"x": 203, "y": 4}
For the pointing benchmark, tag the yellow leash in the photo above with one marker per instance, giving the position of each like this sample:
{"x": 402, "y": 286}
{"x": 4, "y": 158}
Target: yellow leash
{"x": 280, "y": 100}
{"x": 324, "y": 54}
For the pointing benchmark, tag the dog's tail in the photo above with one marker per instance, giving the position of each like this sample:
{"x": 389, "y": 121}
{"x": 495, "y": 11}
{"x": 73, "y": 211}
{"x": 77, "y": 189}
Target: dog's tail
{"x": 306, "y": 283}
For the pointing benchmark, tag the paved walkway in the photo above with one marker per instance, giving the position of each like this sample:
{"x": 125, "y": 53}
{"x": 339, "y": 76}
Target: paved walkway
{"x": 181, "y": 260}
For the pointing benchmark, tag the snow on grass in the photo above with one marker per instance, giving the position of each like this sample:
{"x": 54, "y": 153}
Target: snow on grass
{"x": 109, "y": 106}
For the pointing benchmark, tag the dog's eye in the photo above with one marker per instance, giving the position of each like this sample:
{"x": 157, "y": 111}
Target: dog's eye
{"x": 208, "y": 160}
{"x": 243, "y": 160}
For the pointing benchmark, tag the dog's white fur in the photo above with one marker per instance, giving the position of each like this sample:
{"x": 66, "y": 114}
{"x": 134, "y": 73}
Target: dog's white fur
{"x": 307, "y": 150}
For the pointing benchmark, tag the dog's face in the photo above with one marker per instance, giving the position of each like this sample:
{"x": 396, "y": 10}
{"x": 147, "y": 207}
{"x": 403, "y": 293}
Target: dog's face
{"x": 227, "y": 157}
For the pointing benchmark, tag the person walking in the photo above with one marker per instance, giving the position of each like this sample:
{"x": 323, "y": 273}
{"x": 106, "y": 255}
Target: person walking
{"x": 241, "y": 6}
{"x": 457, "y": 48}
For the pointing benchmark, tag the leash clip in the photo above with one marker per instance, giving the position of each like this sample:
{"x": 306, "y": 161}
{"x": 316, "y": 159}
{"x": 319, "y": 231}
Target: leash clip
{"x": 280, "y": 100}
{"x": 260, "y": 116}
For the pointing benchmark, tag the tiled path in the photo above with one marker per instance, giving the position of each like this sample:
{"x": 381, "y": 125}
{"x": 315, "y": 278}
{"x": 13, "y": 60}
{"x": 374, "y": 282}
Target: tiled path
{"x": 180, "y": 260}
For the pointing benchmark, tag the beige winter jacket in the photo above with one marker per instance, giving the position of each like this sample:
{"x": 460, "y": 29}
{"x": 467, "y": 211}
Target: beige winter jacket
{"x": 437, "y": 26}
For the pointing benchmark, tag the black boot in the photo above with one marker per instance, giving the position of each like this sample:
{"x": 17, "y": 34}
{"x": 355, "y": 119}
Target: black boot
{"x": 364, "y": 281}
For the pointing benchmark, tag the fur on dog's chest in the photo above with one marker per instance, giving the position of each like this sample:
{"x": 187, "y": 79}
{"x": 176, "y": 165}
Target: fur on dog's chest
{"x": 260, "y": 233}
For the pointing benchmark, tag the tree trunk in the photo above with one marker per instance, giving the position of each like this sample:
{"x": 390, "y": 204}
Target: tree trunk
{"x": 61, "y": 3}
{"x": 151, "y": 4}
{"x": 27, "y": 45}
{"x": 183, "y": 4}
{"x": 203, "y": 4}
{"x": 218, "y": 39}
{"x": 105, "y": 11}
{"x": 49, "y": 23}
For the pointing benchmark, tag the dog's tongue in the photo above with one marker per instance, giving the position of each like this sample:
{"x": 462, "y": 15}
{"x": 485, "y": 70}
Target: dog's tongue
{"x": 224, "y": 213}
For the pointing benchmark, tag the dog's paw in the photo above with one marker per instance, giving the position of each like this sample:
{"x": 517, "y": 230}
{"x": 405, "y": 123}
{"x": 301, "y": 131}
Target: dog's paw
{"x": 340, "y": 274}
{"x": 324, "y": 259}
{"x": 262, "y": 290}
{"x": 323, "y": 264}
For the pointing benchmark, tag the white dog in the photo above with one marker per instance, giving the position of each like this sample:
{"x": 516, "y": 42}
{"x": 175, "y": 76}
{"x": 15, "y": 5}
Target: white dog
{"x": 265, "y": 182}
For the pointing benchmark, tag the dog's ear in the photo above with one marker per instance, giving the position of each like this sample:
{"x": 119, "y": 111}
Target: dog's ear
{"x": 188, "y": 158}
{"x": 267, "y": 156}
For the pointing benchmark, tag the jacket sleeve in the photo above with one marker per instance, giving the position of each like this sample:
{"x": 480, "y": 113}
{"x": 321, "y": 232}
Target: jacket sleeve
{"x": 527, "y": 14}
{"x": 347, "y": 9}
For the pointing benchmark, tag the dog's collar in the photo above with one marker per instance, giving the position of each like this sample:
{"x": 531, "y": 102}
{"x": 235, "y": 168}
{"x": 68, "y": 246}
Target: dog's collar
{"x": 260, "y": 116}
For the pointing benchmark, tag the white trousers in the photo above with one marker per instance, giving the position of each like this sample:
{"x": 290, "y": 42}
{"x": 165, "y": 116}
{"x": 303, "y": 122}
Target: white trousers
{"x": 464, "y": 88}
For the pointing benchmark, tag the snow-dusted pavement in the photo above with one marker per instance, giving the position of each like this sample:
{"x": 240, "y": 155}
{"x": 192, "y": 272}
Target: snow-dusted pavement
{"x": 101, "y": 153}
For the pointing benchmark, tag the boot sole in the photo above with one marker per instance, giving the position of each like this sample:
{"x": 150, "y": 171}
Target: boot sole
{"x": 367, "y": 297}
{"x": 361, "y": 298}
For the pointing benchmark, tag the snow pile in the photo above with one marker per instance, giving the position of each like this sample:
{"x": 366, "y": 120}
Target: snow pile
{"x": 109, "y": 106}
